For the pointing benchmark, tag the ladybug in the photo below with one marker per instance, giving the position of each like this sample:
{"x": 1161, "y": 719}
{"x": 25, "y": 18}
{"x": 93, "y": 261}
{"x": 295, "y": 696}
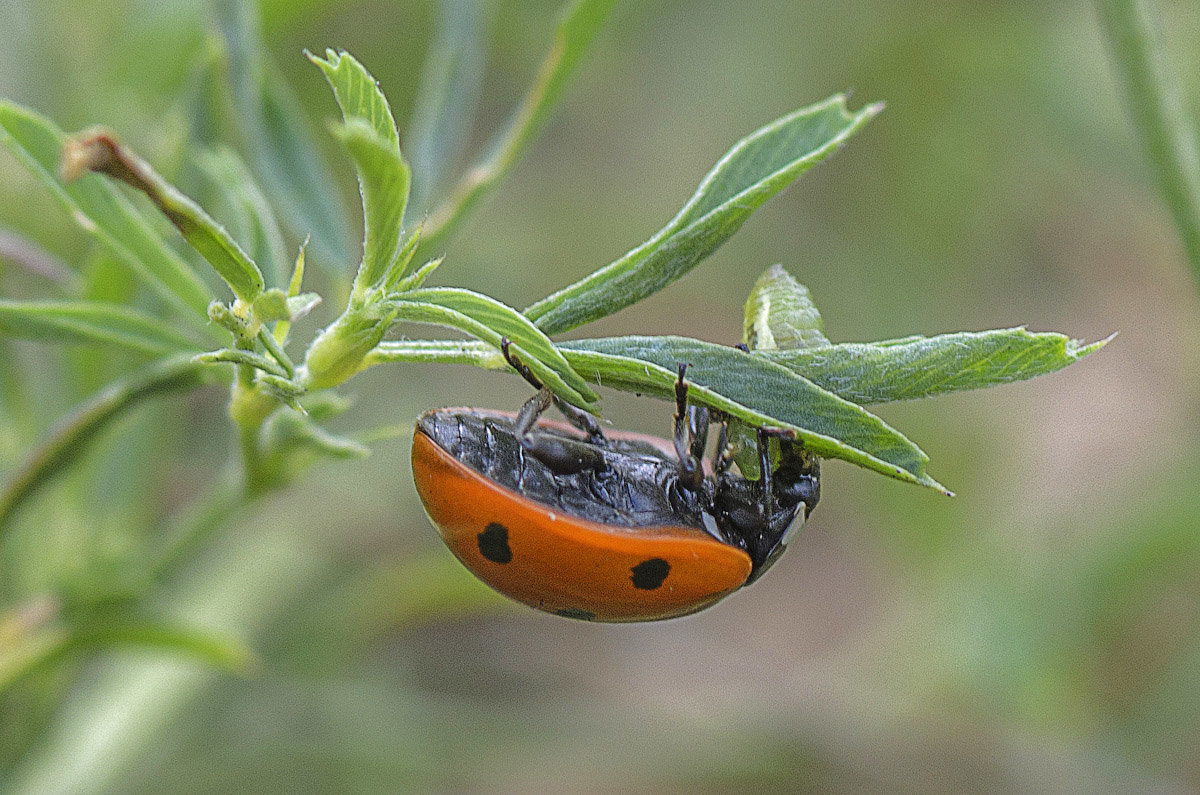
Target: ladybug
{"x": 615, "y": 526}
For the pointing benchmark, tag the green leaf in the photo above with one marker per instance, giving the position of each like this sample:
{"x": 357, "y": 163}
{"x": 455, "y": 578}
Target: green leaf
{"x": 399, "y": 276}
{"x": 102, "y": 210}
{"x": 383, "y": 183}
{"x": 369, "y": 135}
{"x": 1159, "y": 113}
{"x": 578, "y": 26}
{"x": 23, "y": 252}
{"x": 437, "y": 352}
{"x": 288, "y": 433}
{"x": 90, "y": 323}
{"x": 917, "y": 367}
{"x": 447, "y": 94}
{"x": 755, "y": 391}
{"x": 249, "y": 216}
{"x": 424, "y": 312}
{"x": 779, "y": 314}
{"x": 505, "y": 321}
{"x": 220, "y": 652}
{"x": 280, "y": 145}
{"x": 71, "y": 437}
{"x": 358, "y": 94}
{"x": 239, "y": 356}
{"x": 755, "y": 169}
{"x": 98, "y": 151}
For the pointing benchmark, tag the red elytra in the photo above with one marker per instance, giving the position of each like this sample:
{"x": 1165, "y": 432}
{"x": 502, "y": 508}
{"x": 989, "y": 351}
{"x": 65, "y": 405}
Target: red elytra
{"x": 615, "y": 539}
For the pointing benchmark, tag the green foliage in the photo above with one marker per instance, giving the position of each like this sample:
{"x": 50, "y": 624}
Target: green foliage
{"x": 101, "y": 153}
{"x": 249, "y": 217}
{"x": 100, "y": 207}
{"x": 779, "y": 314}
{"x": 489, "y": 319}
{"x": 915, "y": 367}
{"x": 755, "y": 169}
{"x": 757, "y": 392}
{"x": 267, "y": 115}
{"x": 89, "y": 323}
{"x": 369, "y": 135}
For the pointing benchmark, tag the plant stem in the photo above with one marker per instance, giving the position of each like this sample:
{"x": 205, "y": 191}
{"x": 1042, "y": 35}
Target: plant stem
{"x": 1139, "y": 57}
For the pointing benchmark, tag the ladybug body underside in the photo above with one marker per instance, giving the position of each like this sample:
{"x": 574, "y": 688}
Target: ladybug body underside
{"x": 636, "y": 486}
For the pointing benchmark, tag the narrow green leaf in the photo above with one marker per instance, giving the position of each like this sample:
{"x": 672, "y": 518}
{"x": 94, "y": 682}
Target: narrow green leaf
{"x": 297, "y": 308}
{"x": 399, "y": 271}
{"x": 918, "y": 367}
{"x": 1159, "y": 114}
{"x": 238, "y": 356}
{"x": 369, "y": 135}
{"x": 755, "y": 169}
{"x": 358, "y": 94}
{"x": 437, "y": 352}
{"x": 218, "y": 651}
{"x": 32, "y": 257}
{"x": 57, "y": 452}
{"x": 383, "y": 183}
{"x": 575, "y": 31}
{"x": 55, "y": 644}
{"x": 280, "y": 145}
{"x": 90, "y": 323}
{"x": 100, "y": 152}
{"x": 508, "y": 322}
{"x": 425, "y": 312}
{"x": 102, "y": 210}
{"x": 288, "y": 433}
{"x": 756, "y": 391}
{"x": 779, "y": 314}
{"x": 447, "y": 94}
{"x": 250, "y": 218}
{"x": 414, "y": 279}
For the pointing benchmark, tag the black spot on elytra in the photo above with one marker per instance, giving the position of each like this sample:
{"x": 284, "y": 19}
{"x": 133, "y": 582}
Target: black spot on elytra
{"x": 575, "y": 612}
{"x": 493, "y": 543}
{"x": 650, "y": 574}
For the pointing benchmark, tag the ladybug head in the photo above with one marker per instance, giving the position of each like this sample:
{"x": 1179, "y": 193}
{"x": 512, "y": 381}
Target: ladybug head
{"x": 763, "y": 519}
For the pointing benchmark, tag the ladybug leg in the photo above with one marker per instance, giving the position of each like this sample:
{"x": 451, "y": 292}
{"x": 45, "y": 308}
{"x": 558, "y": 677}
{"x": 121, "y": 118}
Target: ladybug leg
{"x": 766, "y": 476}
{"x": 564, "y": 456}
{"x": 583, "y": 421}
{"x": 529, "y": 413}
{"x": 721, "y": 458}
{"x": 580, "y": 419}
{"x": 691, "y": 435}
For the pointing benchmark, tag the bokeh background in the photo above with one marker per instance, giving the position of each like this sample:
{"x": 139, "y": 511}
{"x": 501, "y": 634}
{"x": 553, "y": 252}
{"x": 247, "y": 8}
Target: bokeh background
{"x": 1041, "y": 631}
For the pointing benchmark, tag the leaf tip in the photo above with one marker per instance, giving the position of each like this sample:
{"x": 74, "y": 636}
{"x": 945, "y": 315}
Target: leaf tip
{"x": 1081, "y": 349}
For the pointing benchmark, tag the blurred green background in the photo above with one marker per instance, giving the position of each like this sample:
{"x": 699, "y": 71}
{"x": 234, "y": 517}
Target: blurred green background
{"x": 1041, "y": 631}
